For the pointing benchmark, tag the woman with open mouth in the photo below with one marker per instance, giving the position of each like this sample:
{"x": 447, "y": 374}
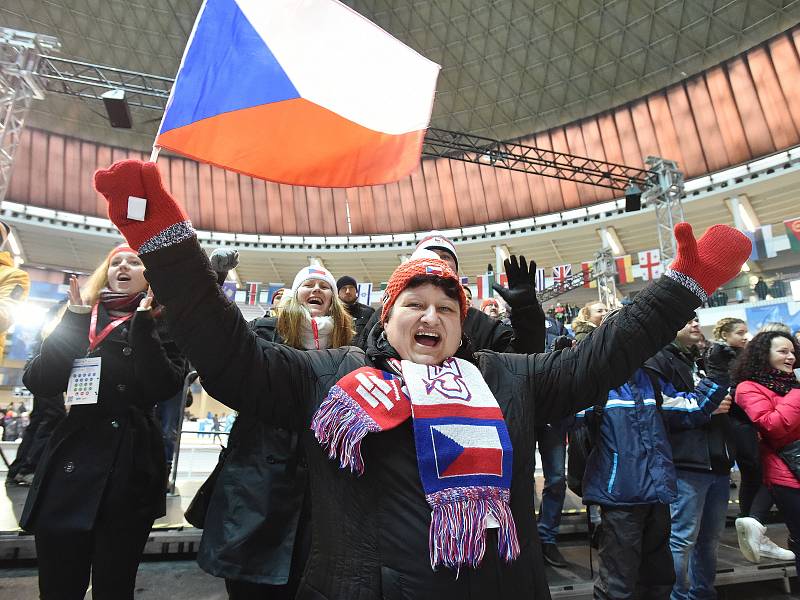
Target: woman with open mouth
{"x": 420, "y": 454}
{"x": 100, "y": 484}
{"x": 256, "y": 530}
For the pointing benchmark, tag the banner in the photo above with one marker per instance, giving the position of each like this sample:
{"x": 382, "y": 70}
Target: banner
{"x": 304, "y": 93}
{"x": 588, "y": 281}
{"x": 365, "y": 293}
{"x": 540, "y": 280}
{"x": 624, "y": 268}
{"x": 252, "y": 292}
{"x": 485, "y": 283}
{"x": 561, "y": 273}
{"x": 793, "y": 233}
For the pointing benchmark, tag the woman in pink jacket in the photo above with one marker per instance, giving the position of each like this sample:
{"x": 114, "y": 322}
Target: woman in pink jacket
{"x": 769, "y": 393}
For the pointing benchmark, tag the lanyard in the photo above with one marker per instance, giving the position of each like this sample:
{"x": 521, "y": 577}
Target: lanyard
{"x": 315, "y": 331}
{"x": 94, "y": 338}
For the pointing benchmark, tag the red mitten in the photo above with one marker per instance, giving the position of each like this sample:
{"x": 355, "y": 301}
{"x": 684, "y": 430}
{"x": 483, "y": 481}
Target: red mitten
{"x": 714, "y": 259}
{"x": 141, "y": 179}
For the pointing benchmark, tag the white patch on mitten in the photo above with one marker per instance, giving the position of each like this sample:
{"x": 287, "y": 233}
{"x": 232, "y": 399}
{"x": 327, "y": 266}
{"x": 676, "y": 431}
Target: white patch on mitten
{"x": 136, "y": 208}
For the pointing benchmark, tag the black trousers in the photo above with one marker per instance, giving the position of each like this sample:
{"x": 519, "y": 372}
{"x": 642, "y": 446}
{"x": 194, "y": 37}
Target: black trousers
{"x": 788, "y": 501}
{"x": 109, "y": 554}
{"x": 635, "y": 559}
{"x": 755, "y": 499}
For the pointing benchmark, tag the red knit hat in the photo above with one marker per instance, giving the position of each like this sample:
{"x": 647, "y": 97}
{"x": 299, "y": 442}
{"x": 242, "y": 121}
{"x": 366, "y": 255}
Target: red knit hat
{"x": 420, "y": 266}
{"x": 489, "y": 301}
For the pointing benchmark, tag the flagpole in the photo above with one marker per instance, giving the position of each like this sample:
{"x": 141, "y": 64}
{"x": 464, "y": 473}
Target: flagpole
{"x": 154, "y": 153}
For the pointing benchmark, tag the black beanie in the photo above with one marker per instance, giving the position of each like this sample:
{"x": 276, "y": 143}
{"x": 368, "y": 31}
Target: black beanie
{"x": 346, "y": 280}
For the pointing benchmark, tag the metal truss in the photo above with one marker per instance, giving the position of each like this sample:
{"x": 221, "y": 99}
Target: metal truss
{"x": 90, "y": 81}
{"x": 514, "y": 156}
{"x": 665, "y": 196}
{"x": 20, "y": 54}
{"x": 557, "y": 289}
{"x": 604, "y": 270}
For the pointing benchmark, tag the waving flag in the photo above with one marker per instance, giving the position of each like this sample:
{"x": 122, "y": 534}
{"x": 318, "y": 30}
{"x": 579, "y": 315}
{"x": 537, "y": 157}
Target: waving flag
{"x": 561, "y": 273}
{"x": 624, "y": 268}
{"x": 650, "y": 264}
{"x": 304, "y": 93}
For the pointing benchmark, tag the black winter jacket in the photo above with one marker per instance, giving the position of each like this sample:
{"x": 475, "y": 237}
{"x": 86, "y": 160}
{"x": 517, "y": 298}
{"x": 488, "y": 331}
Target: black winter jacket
{"x": 370, "y": 533}
{"x": 105, "y": 458}
{"x": 361, "y": 314}
{"x": 259, "y": 509}
{"x": 706, "y": 448}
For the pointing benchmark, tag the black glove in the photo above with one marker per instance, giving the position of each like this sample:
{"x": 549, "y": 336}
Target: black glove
{"x": 224, "y": 259}
{"x": 521, "y": 291}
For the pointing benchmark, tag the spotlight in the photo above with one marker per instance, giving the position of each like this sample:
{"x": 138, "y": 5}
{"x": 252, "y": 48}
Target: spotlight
{"x": 119, "y": 113}
{"x": 633, "y": 198}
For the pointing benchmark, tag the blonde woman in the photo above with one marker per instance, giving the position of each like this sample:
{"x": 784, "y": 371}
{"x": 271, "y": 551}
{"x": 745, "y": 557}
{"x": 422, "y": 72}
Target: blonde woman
{"x": 256, "y": 530}
{"x": 589, "y": 317}
{"x": 100, "y": 483}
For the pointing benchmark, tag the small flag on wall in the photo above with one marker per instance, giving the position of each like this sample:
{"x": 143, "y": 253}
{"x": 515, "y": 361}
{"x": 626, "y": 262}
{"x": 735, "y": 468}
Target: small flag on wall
{"x": 252, "y": 292}
{"x": 588, "y": 281}
{"x": 273, "y": 287}
{"x": 561, "y": 273}
{"x": 365, "y": 293}
{"x": 650, "y": 264}
{"x": 485, "y": 283}
{"x": 540, "y": 281}
{"x": 793, "y": 233}
{"x": 624, "y": 268}
{"x": 464, "y": 280}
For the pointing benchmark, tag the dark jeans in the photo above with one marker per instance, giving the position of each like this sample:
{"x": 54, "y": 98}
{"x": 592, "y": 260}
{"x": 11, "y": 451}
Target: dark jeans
{"x": 788, "y": 501}
{"x": 110, "y": 554}
{"x": 635, "y": 560}
{"x": 553, "y": 450}
{"x": 244, "y": 590}
{"x": 167, "y": 412}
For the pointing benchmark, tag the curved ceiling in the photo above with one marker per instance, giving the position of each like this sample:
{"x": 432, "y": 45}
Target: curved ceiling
{"x": 743, "y": 109}
{"x": 509, "y": 68}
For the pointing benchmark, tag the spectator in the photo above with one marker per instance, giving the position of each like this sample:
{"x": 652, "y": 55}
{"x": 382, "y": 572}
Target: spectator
{"x": 275, "y": 307}
{"x": 630, "y": 475}
{"x": 468, "y": 294}
{"x": 589, "y": 317}
{"x": 100, "y": 483}
{"x": 348, "y": 294}
{"x": 703, "y": 458}
{"x": 719, "y": 298}
{"x": 775, "y": 326}
{"x": 761, "y": 289}
{"x": 491, "y": 308}
{"x": 769, "y": 393}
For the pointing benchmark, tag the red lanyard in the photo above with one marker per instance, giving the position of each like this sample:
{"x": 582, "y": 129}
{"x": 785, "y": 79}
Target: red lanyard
{"x": 315, "y": 331}
{"x": 94, "y": 338}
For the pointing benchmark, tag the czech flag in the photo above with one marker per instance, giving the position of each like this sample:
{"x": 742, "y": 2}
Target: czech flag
{"x": 304, "y": 93}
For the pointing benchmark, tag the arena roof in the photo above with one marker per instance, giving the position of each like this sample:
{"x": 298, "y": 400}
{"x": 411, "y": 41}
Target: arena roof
{"x": 509, "y": 68}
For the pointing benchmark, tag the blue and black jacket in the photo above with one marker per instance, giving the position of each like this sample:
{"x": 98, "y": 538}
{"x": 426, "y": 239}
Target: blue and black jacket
{"x": 631, "y": 462}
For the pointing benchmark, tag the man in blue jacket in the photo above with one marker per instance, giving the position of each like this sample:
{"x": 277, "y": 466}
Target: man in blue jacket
{"x": 630, "y": 475}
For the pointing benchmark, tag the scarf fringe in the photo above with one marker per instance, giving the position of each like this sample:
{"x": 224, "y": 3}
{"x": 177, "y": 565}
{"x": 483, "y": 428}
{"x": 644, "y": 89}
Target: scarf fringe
{"x": 458, "y": 526}
{"x": 339, "y": 426}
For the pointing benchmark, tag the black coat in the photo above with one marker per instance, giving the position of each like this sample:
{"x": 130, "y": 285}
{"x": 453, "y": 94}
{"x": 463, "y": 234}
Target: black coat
{"x": 707, "y": 448}
{"x": 370, "y": 533}
{"x": 361, "y": 314}
{"x": 108, "y": 457}
{"x": 258, "y": 510}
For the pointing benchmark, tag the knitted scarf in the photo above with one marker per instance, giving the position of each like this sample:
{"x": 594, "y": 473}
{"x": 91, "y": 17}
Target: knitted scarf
{"x": 464, "y": 453}
{"x": 120, "y": 302}
{"x": 778, "y": 381}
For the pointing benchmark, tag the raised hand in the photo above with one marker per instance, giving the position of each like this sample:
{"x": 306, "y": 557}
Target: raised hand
{"x": 74, "y": 293}
{"x": 521, "y": 289}
{"x": 714, "y": 259}
{"x": 128, "y": 178}
{"x": 224, "y": 259}
{"x": 147, "y": 301}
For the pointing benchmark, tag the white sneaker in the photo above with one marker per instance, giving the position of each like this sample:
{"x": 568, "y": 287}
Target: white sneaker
{"x": 750, "y": 532}
{"x": 769, "y": 549}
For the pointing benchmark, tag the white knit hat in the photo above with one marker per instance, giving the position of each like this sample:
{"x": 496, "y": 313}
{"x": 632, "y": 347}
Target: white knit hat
{"x": 313, "y": 272}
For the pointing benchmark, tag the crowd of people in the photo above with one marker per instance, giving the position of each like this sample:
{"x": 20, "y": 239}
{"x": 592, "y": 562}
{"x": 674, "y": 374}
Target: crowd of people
{"x": 390, "y": 452}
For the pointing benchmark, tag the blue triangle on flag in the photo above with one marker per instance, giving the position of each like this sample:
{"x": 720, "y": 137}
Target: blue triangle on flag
{"x": 446, "y": 450}
{"x": 228, "y": 67}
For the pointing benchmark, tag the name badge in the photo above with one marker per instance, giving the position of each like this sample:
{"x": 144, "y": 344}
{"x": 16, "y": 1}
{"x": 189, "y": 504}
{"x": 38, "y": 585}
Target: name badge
{"x": 84, "y": 381}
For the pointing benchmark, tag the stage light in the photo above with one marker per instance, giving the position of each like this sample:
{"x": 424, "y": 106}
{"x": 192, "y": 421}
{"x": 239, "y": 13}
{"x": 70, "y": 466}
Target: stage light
{"x": 119, "y": 113}
{"x": 633, "y": 198}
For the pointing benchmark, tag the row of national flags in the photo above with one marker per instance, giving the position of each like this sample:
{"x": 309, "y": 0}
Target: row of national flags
{"x": 645, "y": 266}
